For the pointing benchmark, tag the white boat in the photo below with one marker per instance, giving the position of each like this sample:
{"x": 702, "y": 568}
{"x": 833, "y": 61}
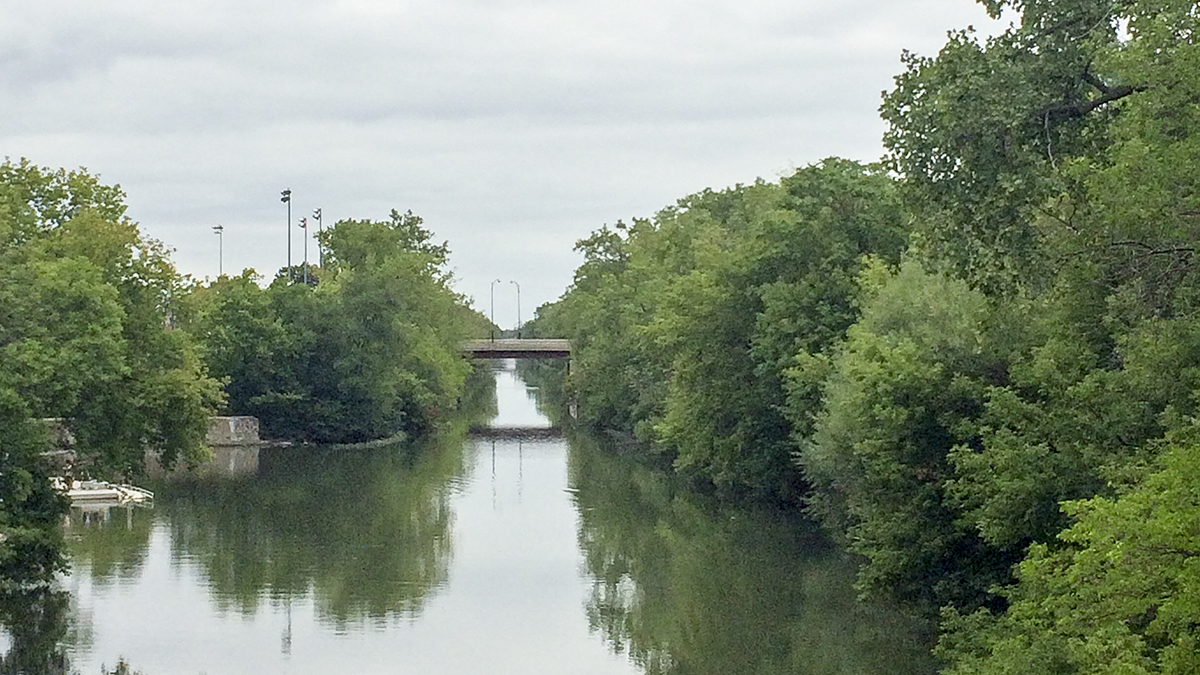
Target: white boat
{"x": 100, "y": 492}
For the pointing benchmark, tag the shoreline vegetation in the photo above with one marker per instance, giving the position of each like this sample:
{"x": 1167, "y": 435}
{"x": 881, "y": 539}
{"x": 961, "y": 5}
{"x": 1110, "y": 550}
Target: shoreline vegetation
{"x": 976, "y": 364}
{"x": 98, "y": 329}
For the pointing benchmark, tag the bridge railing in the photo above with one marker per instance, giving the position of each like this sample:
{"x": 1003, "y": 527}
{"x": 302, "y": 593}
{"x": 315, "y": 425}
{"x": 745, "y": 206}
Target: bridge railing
{"x": 510, "y": 348}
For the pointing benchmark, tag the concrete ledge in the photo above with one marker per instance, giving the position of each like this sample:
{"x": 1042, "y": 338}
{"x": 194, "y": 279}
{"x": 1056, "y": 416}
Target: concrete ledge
{"x": 233, "y": 430}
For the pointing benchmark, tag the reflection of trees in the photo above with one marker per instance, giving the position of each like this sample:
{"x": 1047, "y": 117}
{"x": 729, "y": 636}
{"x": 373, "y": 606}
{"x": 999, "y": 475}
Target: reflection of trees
{"x": 547, "y": 377}
{"x": 368, "y": 531}
{"x": 106, "y": 544}
{"x": 478, "y": 404}
{"x": 109, "y": 545}
{"x": 36, "y": 620}
{"x": 692, "y": 587}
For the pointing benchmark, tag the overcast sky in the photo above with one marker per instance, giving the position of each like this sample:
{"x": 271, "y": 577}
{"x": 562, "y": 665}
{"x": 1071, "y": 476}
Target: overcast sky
{"x": 513, "y": 128}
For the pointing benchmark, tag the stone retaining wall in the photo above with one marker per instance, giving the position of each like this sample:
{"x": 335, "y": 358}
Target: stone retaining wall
{"x": 232, "y": 430}
{"x": 236, "y": 430}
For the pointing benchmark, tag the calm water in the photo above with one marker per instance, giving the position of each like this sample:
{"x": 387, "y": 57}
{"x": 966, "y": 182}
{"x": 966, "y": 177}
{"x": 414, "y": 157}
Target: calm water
{"x": 484, "y": 554}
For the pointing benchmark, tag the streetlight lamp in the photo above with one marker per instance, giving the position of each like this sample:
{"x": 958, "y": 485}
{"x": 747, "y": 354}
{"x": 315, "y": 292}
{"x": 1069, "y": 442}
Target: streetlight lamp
{"x": 219, "y": 230}
{"x": 518, "y": 308}
{"x": 304, "y": 226}
{"x": 287, "y": 199}
{"x": 492, "y": 290}
{"x": 320, "y": 229}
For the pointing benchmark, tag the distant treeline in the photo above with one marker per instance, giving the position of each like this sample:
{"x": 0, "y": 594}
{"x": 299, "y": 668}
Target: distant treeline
{"x": 366, "y": 350}
{"x": 98, "y": 327}
{"x": 977, "y": 364}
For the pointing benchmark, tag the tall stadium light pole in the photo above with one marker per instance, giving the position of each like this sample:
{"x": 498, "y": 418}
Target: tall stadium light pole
{"x": 518, "y": 307}
{"x": 492, "y": 289}
{"x": 287, "y": 199}
{"x": 304, "y": 226}
{"x": 320, "y": 230}
{"x": 219, "y": 230}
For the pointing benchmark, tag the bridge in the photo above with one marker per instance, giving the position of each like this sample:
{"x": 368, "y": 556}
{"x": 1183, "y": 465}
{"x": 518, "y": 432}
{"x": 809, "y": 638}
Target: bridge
{"x": 508, "y": 348}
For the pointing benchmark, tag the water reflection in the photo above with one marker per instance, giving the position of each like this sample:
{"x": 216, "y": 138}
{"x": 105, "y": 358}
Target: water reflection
{"x": 320, "y": 543}
{"x": 366, "y": 531}
{"x": 692, "y": 587}
{"x": 109, "y": 542}
{"x": 515, "y": 550}
{"x": 37, "y": 621}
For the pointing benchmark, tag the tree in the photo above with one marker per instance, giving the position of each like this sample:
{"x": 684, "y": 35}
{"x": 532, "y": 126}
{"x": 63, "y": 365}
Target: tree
{"x": 243, "y": 340}
{"x": 86, "y": 330}
{"x": 369, "y": 351}
{"x": 1065, "y": 138}
{"x": 715, "y": 295}
{"x": 85, "y": 304}
{"x": 981, "y": 134}
{"x": 619, "y": 372}
{"x": 1117, "y": 594}
{"x": 903, "y": 391}
{"x": 30, "y": 510}
{"x": 1053, "y": 167}
{"x": 783, "y": 284}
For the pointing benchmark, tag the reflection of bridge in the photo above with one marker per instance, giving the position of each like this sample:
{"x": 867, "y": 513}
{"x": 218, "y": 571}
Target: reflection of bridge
{"x": 516, "y": 433}
{"x": 533, "y": 348}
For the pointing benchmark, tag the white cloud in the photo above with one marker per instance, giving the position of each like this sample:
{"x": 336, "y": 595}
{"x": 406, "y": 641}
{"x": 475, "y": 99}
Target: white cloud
{"x": 513, "y": 127}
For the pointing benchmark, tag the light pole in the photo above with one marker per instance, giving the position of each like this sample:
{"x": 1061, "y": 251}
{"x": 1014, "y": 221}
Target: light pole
{"x": 492, "y": 290}
{"x": 518, "y": 308}
{"x": 287, "y": 199}
{"x": 320, "y": 229}
{"x": 304, "y": 226}
{"x": 219, "y": 230}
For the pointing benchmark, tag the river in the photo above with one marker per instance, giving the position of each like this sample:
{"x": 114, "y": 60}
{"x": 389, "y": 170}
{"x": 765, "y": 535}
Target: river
{"x": 500, "y": 552}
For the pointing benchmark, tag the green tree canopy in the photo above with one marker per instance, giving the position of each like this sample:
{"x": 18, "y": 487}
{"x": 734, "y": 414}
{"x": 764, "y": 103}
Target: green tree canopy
{"x": 1120, "y": 593}
{"x": 716, "y": 295}
{"x": 86, "y": 304}
{"x": 368, "y": 350}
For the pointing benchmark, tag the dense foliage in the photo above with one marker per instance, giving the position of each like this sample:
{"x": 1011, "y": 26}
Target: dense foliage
{"x": 85, "y": 307}
{"x": 1119, "y": 593}
{"x": 367, "y": 349}
{"x": 685, "y": 325}
{"x": 99, "y": 331}
{"x": 977, "y": 365}
{"x": 989, "y": 354}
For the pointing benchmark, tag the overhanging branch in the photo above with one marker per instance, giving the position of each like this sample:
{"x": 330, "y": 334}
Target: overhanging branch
{"x": 1084, "y": 107}
{"x": 1108, "y": 94}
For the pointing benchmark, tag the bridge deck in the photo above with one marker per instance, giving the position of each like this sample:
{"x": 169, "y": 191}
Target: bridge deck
{"x": 533, "y": 348}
